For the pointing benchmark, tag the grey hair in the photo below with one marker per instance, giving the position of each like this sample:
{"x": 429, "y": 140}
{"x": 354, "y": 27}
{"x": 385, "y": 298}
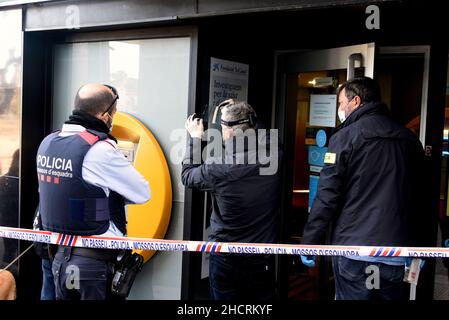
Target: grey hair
{"x": 237, "y": 110}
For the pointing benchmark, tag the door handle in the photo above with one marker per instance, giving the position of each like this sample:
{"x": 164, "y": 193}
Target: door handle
{"x": 351, "y": 64}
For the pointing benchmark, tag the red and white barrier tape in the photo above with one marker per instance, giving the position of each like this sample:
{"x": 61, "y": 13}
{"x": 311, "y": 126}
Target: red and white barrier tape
{"x": 230, "y": 247}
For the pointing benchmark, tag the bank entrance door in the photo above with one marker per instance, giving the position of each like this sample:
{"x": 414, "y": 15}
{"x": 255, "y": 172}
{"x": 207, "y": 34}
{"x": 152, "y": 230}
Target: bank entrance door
{"x": 305, "y": 111}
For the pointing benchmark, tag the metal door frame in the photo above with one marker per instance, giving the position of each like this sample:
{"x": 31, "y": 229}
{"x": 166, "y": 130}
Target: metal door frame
{"x": 425, "y": 50}
{"x": 322, "y": 59}
{"x": 295, "y": 61}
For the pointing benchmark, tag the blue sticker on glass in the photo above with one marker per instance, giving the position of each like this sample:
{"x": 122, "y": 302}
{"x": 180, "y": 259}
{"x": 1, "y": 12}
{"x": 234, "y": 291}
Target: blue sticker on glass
{"x": 316, "y": 156}
{"x": 321, "y": 138}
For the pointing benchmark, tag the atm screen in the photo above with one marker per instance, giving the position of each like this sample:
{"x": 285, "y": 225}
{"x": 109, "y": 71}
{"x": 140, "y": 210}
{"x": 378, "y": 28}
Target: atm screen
{"x": 140, "y": 147}
{"x": 128, "y": 149}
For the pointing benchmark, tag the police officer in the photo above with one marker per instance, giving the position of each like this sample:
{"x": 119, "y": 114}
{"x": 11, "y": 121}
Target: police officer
{"x": 245, "y": 201}
{"x": 84, "y": 184}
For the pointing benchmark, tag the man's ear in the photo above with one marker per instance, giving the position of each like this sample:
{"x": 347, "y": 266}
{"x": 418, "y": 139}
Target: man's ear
{"x": 102, "y": 116}
{"x": 357, "y": 100}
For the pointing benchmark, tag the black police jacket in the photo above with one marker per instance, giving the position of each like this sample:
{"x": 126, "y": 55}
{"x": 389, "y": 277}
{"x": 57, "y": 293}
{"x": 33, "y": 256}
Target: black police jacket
{"x": 245, "y": 203}
{"x": 73, "y": 206}
{"x": 371, "y": 188}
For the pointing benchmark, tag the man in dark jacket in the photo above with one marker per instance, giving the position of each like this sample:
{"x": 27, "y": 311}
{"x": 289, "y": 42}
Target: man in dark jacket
{"x": 368, "y": 190}
{"x": 245, "y": 201}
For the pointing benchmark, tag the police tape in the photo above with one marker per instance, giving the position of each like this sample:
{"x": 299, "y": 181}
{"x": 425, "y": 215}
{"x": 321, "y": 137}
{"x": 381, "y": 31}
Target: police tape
{"x": 129, "y": 243}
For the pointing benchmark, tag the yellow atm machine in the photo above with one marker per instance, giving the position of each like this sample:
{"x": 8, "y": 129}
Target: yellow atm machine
{"x": 151, "y": 219}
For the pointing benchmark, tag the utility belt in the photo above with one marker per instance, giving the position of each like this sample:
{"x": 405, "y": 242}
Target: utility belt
{"x": 97, "y": 254}
{"x": 126, "y": 265}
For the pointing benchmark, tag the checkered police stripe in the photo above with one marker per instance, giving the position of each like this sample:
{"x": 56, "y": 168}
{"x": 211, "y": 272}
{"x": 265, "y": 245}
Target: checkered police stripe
{"x": 203, "y": 246}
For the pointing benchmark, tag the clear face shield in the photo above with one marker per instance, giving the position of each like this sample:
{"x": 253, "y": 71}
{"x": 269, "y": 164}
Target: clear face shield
{"x": 212, "y": 115}
{"x": 213, "y": 132}
{"x": 212, "y": 119}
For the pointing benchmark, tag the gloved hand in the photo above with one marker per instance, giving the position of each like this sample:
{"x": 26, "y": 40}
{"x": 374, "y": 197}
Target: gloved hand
{"x": 408, "y": 262}
{"x": 194, "y": 126}
{"x": 446, "y": 243}
{"x": 309, "y": 261}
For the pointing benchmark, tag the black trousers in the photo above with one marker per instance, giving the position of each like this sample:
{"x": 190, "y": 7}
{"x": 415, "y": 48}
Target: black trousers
{"x": 81, "y": 278}
{"x": 356, "y": 280}
{"x": 241, "y": 277}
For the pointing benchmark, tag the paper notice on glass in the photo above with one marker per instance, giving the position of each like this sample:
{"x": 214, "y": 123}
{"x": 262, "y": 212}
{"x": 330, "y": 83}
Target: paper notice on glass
{"x": 323, "y": 110}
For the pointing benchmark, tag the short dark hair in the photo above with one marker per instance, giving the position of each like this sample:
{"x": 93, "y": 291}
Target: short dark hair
{"x": 366, "y": 88}
{"x": 93, "y": 104}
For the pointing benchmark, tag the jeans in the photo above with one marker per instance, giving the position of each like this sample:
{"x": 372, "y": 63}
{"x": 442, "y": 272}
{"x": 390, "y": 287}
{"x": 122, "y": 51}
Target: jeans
{"x": 48, "y": 284}
{"x": 353, "y": 280}
{"x": 81, "y": 278}
{"x": 237, "y": 277}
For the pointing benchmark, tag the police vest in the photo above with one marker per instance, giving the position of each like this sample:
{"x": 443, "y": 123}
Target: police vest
{"x": 68, "y": 204}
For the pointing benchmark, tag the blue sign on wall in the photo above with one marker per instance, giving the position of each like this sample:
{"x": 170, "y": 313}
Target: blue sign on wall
{"x": 316, "y": 156}
{"x": 321, "y": 138}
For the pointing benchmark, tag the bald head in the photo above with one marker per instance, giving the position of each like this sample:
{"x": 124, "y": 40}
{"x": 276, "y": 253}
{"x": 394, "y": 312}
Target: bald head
{"x": 93, "y": 98}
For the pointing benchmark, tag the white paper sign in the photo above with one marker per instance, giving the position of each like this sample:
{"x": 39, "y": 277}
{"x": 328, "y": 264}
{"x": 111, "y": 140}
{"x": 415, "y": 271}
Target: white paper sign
{"x": 323, "y": 110}
{"x": 228, "y": 80}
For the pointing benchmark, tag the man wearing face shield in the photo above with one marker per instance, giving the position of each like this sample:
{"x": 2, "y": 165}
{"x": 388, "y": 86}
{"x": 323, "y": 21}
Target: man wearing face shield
{"x": 370, "y": 190}
{"x": 84, "y": 184}
{"x": 245, "y": 202}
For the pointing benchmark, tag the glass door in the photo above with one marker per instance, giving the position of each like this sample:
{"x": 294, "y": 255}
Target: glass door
{"x": 307, "y": 116}
{"x": 10, "y": 109}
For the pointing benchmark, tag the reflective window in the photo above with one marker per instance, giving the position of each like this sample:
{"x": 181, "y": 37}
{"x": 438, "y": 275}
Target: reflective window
{"x": 441, "y": 279}
{"x": 152, "y": 78}
{"x": 10, "y": 105}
